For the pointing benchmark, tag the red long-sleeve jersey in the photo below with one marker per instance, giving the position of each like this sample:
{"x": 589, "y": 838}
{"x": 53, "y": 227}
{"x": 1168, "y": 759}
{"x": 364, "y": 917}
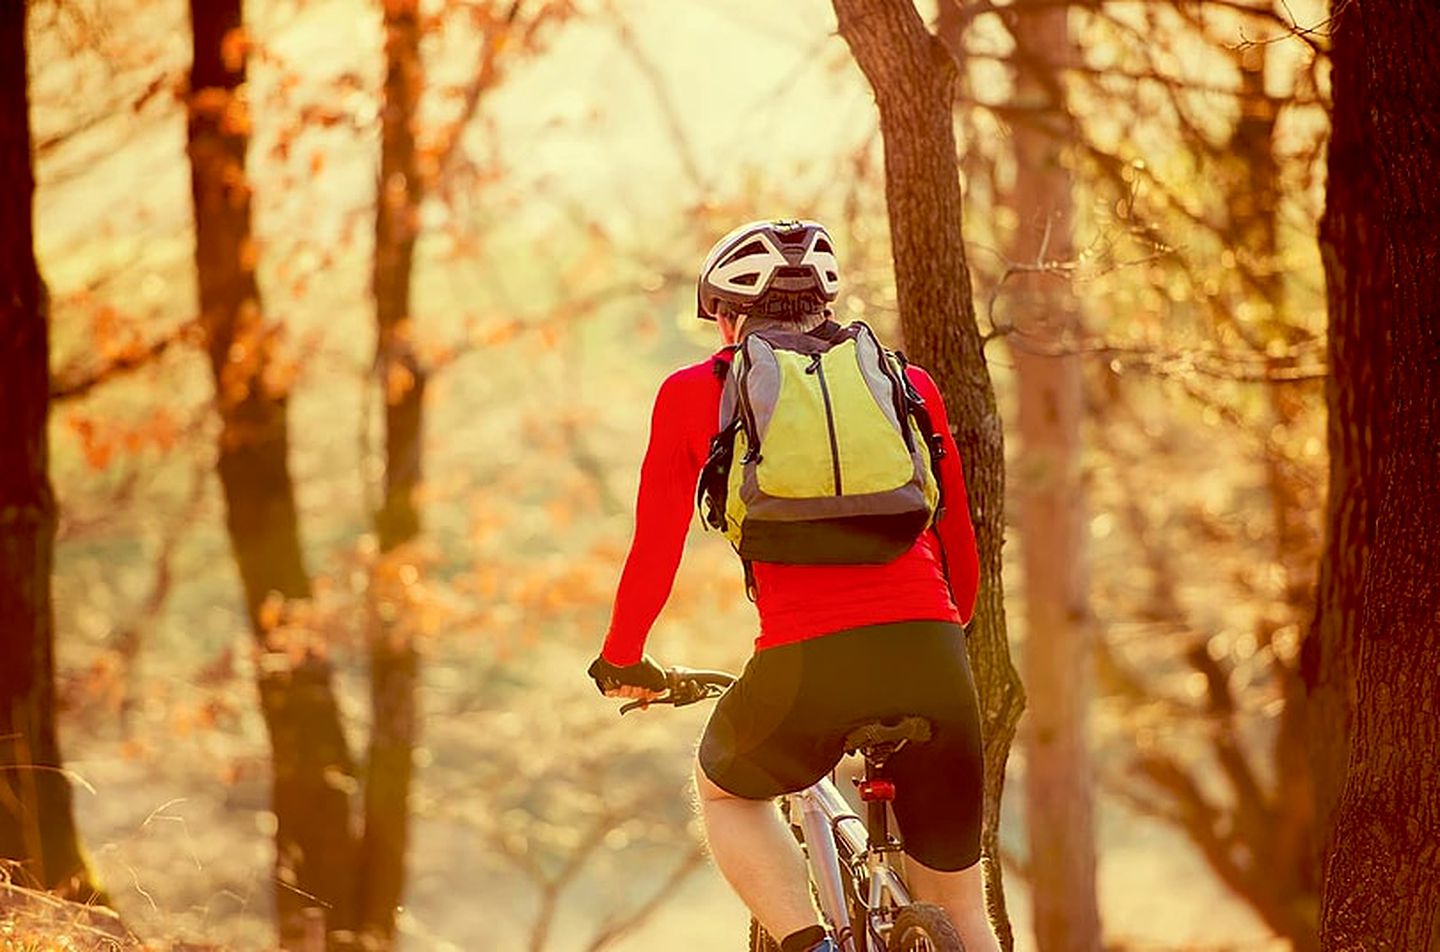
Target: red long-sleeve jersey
{"x": 795, "y": 601}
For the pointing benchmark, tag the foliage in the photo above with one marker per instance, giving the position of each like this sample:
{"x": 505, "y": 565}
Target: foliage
{"x": 572, "y": 188}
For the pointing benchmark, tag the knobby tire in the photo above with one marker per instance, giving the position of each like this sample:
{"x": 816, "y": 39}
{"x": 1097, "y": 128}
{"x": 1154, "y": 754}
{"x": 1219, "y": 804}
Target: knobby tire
{"x": 760, "y": 940}
{"x": 923, "y": 927}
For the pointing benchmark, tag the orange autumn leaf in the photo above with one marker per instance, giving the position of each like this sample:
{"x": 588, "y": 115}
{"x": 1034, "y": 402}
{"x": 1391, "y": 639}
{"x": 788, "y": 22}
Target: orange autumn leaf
{"x": 97, "y": 445}
{"x": 279, "y": 376}
{"x": 249, "y": 254}
{"x": 398, "y": 382}
{"x": 209, "y": 102}
{"x": 161, "y": 430}
{"x": 498, "y": 333}
{"x": 271, "y": 612}
{"x": 234, "y": 47}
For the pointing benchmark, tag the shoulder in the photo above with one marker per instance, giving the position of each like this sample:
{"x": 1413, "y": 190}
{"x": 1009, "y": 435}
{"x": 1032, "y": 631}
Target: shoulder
{"x": 699, "y": 377}
{"x": 693, "y": 387}
{"x": 922, "y": 381}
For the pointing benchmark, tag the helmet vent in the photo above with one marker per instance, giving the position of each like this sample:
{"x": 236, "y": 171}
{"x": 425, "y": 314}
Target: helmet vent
{"x": 745, "y": 251}
{"x": 823, "y": 245}
{"x": 749, "y": 279}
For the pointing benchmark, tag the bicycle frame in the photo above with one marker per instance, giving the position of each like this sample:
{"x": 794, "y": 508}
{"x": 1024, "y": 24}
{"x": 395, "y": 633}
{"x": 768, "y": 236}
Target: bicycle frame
{"x": 839, "y": 845}
{"x": 836, "y": 839}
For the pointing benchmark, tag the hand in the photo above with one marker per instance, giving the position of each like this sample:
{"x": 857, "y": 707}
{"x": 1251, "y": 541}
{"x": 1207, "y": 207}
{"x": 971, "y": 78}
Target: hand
{"x": 642, "y": 681}
{"x": 631, "y": 691}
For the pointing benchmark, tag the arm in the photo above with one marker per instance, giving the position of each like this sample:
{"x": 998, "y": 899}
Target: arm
{"x": 662, "y": 519}
{"x": 957, "y": 535}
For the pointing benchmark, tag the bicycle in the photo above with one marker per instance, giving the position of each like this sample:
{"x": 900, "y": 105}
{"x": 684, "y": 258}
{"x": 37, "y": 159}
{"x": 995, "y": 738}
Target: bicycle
{"x": 861, "y": 895}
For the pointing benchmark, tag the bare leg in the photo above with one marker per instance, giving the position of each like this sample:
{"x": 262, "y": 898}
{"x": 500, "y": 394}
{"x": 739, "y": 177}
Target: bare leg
{"x": 962, "y": 895}
{"x": 758, "y": 857}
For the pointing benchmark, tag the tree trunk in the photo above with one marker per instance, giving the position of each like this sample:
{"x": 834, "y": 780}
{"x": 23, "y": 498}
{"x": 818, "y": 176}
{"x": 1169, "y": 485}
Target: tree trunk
{"x": 315, "y": 856}
{"x": 393, "y": 656}
{"x": 1380, "y": 236}
{"x": 913, "y": 78}
{"x": 1059, "y": 823}
{"x": 37, "y": 825}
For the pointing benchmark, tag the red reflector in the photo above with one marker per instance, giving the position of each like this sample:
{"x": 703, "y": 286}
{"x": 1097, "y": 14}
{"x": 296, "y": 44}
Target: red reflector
{"x": 877, "y": 790}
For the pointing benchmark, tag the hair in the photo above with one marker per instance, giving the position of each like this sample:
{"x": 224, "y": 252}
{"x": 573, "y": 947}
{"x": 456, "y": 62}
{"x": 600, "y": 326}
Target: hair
{"x": 750, "y": 323}
{"x": 804, "y": 311}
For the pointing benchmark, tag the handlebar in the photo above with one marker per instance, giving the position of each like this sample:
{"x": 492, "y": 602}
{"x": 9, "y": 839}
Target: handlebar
{"x": 686, "y": 686}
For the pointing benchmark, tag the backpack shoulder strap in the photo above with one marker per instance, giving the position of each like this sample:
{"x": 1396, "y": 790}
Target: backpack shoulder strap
{"x": 719, "y": 366}
{"x": 826, "y": 330}
{"x": 915, "y": 406}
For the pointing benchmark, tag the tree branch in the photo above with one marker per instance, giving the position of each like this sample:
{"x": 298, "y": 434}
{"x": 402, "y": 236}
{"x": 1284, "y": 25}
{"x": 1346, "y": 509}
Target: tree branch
{"x": 73, "y": 383}
{"x": 617, "y": 928}
{"x": 669, "y": 111}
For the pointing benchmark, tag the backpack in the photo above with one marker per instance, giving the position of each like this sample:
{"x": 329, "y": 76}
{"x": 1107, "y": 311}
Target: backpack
{"x": 826, "y": 453}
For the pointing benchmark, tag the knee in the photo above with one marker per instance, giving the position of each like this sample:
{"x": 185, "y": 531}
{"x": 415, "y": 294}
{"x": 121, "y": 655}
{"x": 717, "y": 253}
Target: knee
{"x": 962, "y": 889}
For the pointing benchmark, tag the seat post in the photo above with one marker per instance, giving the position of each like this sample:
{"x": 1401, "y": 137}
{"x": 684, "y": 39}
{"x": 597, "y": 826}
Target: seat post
{"x": 877, "y": 791}
{"x": 877, "y": 817}
{"x": 876, "y": 741}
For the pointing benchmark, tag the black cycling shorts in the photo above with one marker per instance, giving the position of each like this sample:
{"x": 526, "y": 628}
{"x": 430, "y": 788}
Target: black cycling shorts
{"x": 783, "y": 724}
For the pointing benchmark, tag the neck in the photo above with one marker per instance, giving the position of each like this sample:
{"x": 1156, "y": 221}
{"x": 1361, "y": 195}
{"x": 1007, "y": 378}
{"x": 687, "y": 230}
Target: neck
{"x": 749, "y": 325}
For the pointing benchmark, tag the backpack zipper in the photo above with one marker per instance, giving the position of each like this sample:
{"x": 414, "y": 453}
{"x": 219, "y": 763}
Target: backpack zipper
{"x": 818, "y": 369}
{"x": 747, "y": 413}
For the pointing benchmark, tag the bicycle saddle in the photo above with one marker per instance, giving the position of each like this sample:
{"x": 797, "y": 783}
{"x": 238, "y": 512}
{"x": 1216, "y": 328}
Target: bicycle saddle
{"x": 892, "y": 730}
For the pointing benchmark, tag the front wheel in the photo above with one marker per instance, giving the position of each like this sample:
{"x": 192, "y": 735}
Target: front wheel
{"x": 924, "y": 928}
{"x": 760, "y": 940}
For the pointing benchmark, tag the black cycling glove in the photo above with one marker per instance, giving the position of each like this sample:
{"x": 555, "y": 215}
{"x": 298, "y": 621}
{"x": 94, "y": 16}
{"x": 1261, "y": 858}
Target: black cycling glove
{"x": 644, "y": 673}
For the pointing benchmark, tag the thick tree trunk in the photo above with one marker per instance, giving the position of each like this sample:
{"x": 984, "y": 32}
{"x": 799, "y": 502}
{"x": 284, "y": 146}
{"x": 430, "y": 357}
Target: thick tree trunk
{"x": 913, "y": 78}
{"x": 315, "y": 856}
{"x": 1381, "y": 238}
{"x": 393, "y": 656}
{"x": 1059, "y": 822}
{"x": 37, "y": 826}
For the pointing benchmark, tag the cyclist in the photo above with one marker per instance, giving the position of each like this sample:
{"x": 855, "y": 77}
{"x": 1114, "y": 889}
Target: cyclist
{"x": 838, "y": 644}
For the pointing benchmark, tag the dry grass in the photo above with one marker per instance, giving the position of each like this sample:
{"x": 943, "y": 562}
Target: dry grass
{"x": 38, "y": 922}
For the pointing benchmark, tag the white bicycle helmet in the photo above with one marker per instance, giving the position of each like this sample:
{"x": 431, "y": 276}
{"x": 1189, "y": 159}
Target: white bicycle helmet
{"x": 779, "y": 268}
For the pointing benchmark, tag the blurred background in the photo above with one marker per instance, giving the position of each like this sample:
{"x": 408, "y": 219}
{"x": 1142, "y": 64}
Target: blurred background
{"x": 571, "y": 162}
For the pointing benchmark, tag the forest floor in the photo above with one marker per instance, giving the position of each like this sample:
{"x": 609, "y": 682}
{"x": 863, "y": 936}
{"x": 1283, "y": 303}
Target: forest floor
{"x": 177, "y": 827}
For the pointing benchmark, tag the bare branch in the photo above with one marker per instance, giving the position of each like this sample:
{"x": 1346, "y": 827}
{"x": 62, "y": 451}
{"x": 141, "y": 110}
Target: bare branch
{"x": 552, "y": 886}
{"x": 617, "y": 928}
{"x": 73, "y": 383}
{"x": 487, "y": 77}
{"x": 669, "y": 111}
{"x": 1310, "y": 36}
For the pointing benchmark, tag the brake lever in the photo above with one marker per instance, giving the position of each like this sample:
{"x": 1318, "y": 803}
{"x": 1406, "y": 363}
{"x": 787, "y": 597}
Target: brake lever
{"x": 688, "y": 693}
{"x": 641, "y": 705}
{"x": 692, "y": 696}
